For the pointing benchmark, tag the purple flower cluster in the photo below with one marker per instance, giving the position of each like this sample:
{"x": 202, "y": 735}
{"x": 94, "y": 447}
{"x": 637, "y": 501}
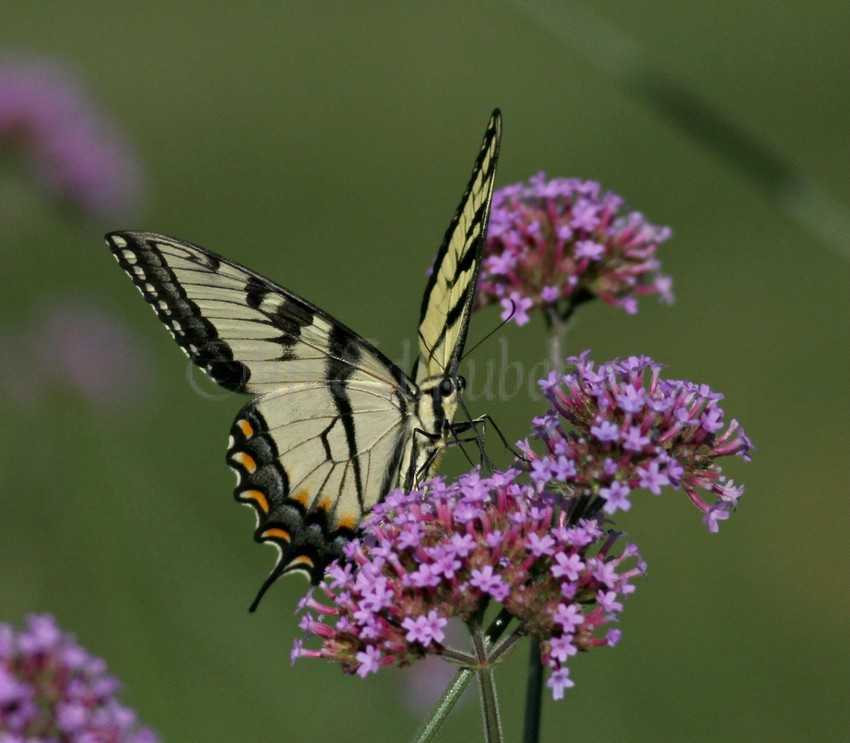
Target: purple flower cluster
{"x": 449, "y": 550}
{"x": 557, "y": 243}
{"x": 72, "y": 343}
{"x": 51, "y": 689}
{"x": 620, "y": 426}
{"x": 72, "y": 151}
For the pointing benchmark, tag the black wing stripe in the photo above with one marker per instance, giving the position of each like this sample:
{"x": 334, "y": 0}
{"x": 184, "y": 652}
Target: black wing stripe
{"x": 337, "y": 379}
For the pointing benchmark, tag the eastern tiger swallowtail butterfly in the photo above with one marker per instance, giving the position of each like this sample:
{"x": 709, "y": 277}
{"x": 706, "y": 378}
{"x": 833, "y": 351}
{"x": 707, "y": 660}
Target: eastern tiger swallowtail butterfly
{"x": 335, "y": 425}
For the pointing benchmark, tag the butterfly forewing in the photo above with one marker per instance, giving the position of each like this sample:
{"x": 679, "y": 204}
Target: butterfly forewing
{"x": 246, "y": 332}
{"x": 449, "y": 294}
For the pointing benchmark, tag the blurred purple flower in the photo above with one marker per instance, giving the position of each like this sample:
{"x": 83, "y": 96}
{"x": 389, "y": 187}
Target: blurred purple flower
{"x": 625, "y": 427}
{"x": 51, "y": 689}
{"x": 557, "y": 243}
{"x": 76, "y": 345}
{"x": 558, "y": 579}
{"x": 425, "y": 680}
{"x": 70, "y": 147}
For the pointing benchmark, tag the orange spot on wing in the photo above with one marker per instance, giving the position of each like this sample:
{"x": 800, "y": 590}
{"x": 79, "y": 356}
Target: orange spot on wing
{"x": 347, "y": 522}
{"x": 257, "y": 497}
{"x": 246, "y": 460}
{"x": 325, "y": 503}
{"x": 302, "y": 497}
{"x": 302, "y": 561}
{"x": 276, "y": 533}
{"x": 246, "y": 428}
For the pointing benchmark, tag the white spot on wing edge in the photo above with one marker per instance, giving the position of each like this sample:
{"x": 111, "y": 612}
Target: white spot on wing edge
{"x": 238, "y": 475}
{"x": 256, "y": 516}
{"x": 118, "y": 241}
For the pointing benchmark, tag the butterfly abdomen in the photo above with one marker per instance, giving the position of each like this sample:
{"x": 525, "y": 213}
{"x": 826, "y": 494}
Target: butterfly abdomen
{"x": 430, "y": 429}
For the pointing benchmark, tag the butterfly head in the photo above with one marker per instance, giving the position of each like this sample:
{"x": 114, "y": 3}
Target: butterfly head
{"x": 439, "y": 402}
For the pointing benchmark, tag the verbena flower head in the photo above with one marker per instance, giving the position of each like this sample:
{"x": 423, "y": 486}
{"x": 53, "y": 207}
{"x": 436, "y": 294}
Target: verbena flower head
{"x": 450, "y": 550}
{"x": 620, "y": 427}
{"x": 51, "y": 689}
{"x": 71, "y": 149}
{"x": 557, "y": 243}
{"x": 73, "y": 344}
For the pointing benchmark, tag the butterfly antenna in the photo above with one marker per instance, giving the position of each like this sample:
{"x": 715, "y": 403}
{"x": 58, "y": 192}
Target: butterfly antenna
{"x": 494, "y": 330}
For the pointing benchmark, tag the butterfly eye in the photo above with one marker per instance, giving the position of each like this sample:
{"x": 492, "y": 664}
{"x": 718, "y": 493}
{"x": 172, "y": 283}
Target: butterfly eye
{"x": 447, "y": 387}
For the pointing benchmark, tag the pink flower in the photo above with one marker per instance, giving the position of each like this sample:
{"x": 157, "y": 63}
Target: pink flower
{"x": 624, "y": 427}
{"x": 52, "y": 689}
{"x": 557, "y": 243}
{"x": 516, "y": 550}
{"x": 69, "y": 146}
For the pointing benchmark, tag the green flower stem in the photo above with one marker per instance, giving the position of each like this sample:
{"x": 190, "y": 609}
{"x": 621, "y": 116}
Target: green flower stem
{"x": 533, "y": 695}
{"x": 506, "y": 645}
{"x": 557, "y": 331}
{"x": 498, "y": 626}
{"x": 487, "y": 687}
{"x": 534, "y": 682}
{"x": 437, "y": 716}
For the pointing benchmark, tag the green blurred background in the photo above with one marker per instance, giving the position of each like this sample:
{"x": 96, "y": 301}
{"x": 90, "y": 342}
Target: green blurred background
{"x": 325, "y": 145}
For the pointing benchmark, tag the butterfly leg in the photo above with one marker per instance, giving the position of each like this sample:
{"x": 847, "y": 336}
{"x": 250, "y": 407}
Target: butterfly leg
{"x": 478, "y": 437}
{"x": 481, "y": 435}
{"x": 423, "y": 458}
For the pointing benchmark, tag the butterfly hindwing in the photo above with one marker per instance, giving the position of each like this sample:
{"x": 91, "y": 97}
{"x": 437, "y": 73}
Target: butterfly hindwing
{"x": 449, "y": 294}
{"x": 311, "y": 469}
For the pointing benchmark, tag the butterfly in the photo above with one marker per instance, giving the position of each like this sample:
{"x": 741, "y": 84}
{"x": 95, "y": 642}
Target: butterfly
{"x": 334, "y": 425}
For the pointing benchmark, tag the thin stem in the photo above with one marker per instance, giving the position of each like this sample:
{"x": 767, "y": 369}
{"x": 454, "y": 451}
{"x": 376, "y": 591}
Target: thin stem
{"x": 504, "y": 647}
{"x": 437, "y": 716}
{"x": 623, "y": 60}
{"x": 557, "y": 331}
{"x": 487, "y": 687}
{"x": 498, "y": 626}
{"x": 558, "y": 324}
{"x": 464, "y": 660}
{"x": 533, "y": 695}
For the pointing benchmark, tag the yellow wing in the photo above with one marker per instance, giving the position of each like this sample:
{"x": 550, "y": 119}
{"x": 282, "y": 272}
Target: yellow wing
{"x": 450, "y": 291}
